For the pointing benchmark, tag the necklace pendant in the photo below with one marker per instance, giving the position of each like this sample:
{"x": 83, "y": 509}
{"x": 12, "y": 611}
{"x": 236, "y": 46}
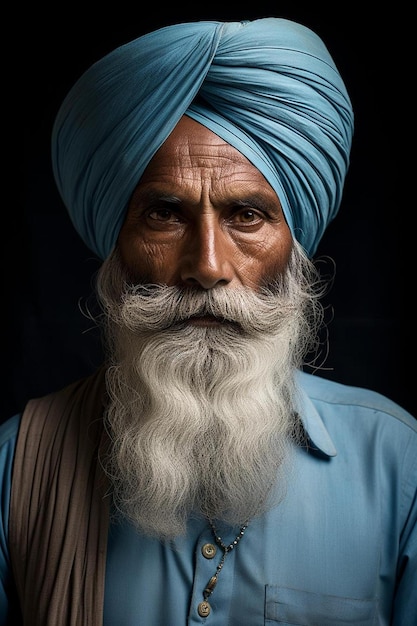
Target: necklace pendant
{"x": 210, "y": 586}
{"x": 204, "y": 609}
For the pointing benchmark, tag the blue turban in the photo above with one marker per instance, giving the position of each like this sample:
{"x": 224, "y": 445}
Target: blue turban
{"x": 268, "y": 87}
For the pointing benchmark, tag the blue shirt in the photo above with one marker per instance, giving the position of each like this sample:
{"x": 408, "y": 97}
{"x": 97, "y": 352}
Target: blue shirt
{"x": 341, "y": 548}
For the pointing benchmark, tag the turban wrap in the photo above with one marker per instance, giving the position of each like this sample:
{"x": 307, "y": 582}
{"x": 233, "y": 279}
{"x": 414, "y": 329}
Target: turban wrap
{"x": 268, "y": 87}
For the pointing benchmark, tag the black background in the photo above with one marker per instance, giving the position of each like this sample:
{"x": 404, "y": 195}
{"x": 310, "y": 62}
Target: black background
{"x": 47, "y": 270}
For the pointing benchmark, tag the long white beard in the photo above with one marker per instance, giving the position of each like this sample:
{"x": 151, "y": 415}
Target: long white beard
{"x": 202, "y": 419}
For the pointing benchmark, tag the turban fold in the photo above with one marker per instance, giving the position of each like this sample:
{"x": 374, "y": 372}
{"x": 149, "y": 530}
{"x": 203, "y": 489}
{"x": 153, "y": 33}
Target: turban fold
{"x": 269, "y": 87}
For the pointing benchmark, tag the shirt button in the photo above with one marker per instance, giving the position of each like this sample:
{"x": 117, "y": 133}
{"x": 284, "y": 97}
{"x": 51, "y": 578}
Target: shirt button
{"x": 209, "y": 550}
{"x": 203, "y": 609}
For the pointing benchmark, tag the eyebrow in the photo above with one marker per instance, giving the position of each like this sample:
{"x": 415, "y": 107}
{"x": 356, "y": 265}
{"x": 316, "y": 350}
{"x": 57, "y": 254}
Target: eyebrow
{"x": 152, "y": 195}
{"x": 257, "y": 200}
{"x": 260, "y": 202}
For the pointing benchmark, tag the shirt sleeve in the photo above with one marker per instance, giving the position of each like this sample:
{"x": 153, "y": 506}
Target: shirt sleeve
{"x": 9, "y": 612}
{"x": 405, "y": 602}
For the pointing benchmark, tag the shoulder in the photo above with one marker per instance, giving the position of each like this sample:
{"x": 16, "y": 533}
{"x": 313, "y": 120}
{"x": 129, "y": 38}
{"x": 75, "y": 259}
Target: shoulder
{"x": 8, "y": 437}
{"x": 350, "y": 402}
{"x": 373, "y": 437}
{"x": 363, "y": 422}
{"x": 8, "y": 433}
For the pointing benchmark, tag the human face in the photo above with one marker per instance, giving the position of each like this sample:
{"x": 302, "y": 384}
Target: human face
{"x": 202, "y": 215}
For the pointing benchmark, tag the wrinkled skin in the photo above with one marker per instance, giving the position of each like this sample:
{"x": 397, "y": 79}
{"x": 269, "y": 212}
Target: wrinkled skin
{"x": 202, "y": 215}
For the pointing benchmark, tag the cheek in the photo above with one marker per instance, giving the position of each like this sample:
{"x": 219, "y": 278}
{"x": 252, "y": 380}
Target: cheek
{"x": 280, "y": 256}
{"x": 268, "y": 259}
{"x": 147, "y": 262}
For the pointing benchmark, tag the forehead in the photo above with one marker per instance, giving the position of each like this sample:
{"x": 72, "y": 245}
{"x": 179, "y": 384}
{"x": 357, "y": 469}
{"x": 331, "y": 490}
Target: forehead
{"x": 194, "y": 152}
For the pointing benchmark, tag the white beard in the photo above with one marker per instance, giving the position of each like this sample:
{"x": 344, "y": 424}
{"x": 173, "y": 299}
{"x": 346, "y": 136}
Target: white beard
{"x": 201, "y": 420}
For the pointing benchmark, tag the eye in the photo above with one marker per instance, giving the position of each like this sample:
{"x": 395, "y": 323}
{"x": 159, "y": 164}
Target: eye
{"x": 162, "y": 215}
{"x": 247, "y": 216}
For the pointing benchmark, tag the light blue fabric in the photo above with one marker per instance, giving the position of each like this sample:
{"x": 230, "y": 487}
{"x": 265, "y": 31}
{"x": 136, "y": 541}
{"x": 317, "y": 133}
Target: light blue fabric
{"x": 269, "y": 87}
{"x": 341, "y": 548}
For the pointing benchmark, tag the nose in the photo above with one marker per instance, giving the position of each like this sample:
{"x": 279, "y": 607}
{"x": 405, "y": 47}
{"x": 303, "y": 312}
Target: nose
{"x": 207, "y": 261}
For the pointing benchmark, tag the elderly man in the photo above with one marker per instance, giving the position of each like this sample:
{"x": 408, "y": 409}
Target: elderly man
{"x": 200, "y": 476}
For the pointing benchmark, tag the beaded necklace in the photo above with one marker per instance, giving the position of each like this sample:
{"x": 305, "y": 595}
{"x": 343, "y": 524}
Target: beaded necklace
{"x": 204, "y": 607}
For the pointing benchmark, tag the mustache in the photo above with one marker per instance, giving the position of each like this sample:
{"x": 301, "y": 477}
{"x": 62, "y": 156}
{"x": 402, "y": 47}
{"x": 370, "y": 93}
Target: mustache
{"x": 160, "y": 307}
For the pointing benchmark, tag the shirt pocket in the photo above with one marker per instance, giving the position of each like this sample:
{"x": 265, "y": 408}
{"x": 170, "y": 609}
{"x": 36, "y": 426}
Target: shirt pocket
{"x": 295, "y": 607}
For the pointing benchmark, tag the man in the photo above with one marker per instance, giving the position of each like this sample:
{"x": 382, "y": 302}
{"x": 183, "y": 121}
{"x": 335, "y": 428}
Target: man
{"x": 200, "y": 476}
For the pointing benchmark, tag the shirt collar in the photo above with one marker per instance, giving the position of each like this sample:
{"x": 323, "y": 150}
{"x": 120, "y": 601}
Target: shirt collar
{"x": 312, "y": 422}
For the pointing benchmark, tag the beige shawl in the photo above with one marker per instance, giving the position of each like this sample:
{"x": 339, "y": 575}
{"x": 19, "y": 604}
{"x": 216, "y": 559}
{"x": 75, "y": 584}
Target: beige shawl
{"x": 58, "y": 513}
